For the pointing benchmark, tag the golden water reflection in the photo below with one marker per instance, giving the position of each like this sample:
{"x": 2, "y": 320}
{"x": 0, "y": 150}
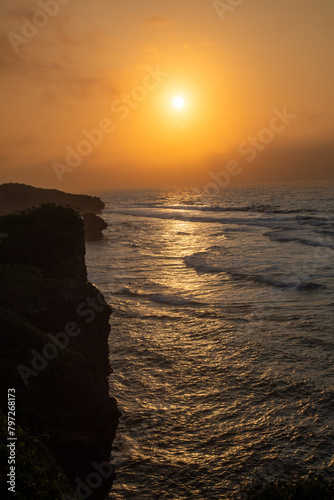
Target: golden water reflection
{"x": 179, "y": 239}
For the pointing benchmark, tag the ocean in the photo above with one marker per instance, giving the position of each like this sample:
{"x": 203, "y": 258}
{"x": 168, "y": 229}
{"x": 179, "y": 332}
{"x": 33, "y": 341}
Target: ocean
{"x": 222, "y": 337}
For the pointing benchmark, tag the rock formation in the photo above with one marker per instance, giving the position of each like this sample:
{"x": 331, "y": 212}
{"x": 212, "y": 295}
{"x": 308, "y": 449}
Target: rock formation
{"x": 17, "y": 197}
{"x": 54, "y": 329}
{"x": 94, "y": 225}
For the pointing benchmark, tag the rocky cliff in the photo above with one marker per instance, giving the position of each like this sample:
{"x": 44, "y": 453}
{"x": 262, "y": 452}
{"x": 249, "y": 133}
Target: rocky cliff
{"x": 94, "y": 225}
{"x": 17, "y": 197}
{"x": 54, "y": 329}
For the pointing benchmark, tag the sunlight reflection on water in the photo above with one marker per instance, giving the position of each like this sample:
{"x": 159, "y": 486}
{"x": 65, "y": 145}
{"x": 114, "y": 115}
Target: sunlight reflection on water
{"x": 222, "y": 366}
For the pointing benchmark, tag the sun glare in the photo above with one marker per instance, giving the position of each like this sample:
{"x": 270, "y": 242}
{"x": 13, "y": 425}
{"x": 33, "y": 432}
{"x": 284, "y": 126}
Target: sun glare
{"x": 178, "y": 102}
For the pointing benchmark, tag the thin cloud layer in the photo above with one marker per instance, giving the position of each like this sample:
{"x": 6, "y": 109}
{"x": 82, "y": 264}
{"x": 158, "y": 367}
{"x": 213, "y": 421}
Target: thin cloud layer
{"x": 157, "y": 21}
{"x": 91, "y": 65}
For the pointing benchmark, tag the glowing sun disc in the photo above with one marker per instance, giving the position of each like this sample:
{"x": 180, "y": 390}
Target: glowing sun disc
{"x": 178, "y": 102}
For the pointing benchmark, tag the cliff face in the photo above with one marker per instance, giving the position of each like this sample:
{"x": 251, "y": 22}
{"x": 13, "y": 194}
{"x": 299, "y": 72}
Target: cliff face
{"x": 16, "y": 197}
{"x": 94, "y": 226}
{"x": 54, "y": 329}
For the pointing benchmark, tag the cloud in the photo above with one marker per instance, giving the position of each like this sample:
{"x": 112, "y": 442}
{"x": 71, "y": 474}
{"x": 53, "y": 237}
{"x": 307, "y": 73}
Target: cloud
{"x": 24, "y": 9}
{"x": 158, "y": 21}
{"x": 312, "y": 116}
{"x": 151, "y": 49}
{"x": 54, "y": 65}
{"x": 298, "y": 160}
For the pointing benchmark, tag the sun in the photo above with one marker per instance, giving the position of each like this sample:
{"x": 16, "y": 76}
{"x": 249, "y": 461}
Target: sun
{"x": 178, "y": 102}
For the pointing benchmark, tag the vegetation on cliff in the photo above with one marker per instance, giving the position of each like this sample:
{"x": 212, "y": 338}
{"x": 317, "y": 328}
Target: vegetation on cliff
{"x": 16, "y": 197}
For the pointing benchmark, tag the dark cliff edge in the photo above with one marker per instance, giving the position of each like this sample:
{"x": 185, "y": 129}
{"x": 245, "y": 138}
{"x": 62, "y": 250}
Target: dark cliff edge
{"x": 54, "y": 328}
{"x": 94, "y": 225}
{"x": 15, "y": 198}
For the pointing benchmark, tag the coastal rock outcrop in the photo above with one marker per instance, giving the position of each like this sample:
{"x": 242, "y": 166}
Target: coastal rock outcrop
{"x": 54, "y": 328}
{"x": 16, "y": 197}
{"x": 94, "y": 225}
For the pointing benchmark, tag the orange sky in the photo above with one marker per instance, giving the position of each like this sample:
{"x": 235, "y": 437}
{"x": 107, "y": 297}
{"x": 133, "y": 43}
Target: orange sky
{"x": 257, "y": 78}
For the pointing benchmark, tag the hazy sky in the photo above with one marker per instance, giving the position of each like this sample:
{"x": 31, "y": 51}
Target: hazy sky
{"x": 87, "y": 92}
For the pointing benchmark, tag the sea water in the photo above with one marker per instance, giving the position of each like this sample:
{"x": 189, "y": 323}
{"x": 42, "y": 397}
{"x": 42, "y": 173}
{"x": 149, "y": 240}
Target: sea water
{"x": 222, "y": 336}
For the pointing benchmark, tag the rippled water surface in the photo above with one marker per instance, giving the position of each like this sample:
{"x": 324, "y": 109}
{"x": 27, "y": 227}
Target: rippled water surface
{"x": 222, "y": 337}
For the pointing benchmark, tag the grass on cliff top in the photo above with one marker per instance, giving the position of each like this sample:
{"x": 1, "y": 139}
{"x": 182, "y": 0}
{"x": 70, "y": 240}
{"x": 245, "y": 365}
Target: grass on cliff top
{"x": 40, "y": 236}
